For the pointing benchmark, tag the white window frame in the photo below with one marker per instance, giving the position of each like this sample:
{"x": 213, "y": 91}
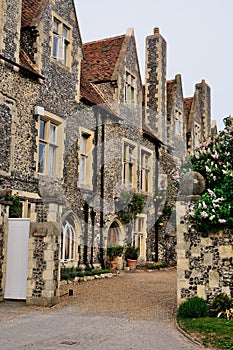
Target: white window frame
{"x": 129, "y": 164}
{"x": 68, "y": 237}
{"x": 57, "y": 144}
{"x": 86, "y": 158}
{"x": 61, "y": 50}
{"x": 139, "y": 234}
{"x": 130, "y": 88}
{"x": 146, "y": 170}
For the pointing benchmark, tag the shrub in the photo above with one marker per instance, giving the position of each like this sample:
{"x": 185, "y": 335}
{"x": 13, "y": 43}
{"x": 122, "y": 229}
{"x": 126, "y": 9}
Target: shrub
{"x": 79, "y": 274}
{"x": 114, "y": 250}
{"x": 131, "y": 252}
{"x": 155, "y": 266}
{"x": 193, "y": 308}
{"x": 88, "y": 268}
{"x": 221, "y": 302}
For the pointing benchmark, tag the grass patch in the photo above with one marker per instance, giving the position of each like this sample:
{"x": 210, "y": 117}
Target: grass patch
{"x": 215, "y": 332}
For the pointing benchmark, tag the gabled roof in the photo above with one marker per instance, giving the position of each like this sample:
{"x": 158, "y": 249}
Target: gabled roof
{"x": 100, "y": 58}
{"x": 27, "y": 63}
{"x": 30, "y": 10}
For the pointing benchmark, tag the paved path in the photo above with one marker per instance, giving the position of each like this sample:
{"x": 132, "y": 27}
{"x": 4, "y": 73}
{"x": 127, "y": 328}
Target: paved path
{"x": 70, "y": 326}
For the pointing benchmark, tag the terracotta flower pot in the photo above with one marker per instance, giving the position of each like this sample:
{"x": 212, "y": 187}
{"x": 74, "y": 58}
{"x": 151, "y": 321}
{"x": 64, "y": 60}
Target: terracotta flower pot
{"x": 132, "y": 264}
{"x": 113, "y": 264}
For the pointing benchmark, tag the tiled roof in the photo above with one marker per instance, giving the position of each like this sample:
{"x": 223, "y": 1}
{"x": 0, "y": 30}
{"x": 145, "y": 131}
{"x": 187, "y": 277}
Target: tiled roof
{"x": 29, "y": 11}
{"x": 188, "y": 101}
{"x": 100, "y": 58}
{"x": 187, "y": 105}
{"x": 27, "y": 63}
{"x": 89, "y": 92}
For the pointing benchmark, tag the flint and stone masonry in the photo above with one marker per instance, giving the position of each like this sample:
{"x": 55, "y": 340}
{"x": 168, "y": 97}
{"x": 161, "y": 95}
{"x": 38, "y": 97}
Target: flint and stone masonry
{"x": 204, "y": 261}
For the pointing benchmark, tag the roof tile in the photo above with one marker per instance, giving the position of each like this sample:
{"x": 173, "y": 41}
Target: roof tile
{"x": 100, "y": 58}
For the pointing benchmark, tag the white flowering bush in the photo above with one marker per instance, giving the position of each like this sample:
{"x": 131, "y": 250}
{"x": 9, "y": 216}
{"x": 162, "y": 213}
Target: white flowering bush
{"x": 214, "y": 160}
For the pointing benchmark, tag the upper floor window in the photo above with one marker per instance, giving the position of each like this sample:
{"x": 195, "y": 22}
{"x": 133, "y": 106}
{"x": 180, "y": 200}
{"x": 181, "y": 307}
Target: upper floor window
{"x": 61, "y": 42}
{"x": 85, "y": 158}
{"x": 178, "y": 123}
{"x": 129, "y": 164}
{"x": 47, "y": 147}
{"x": 129, "y": 88}
{"x": 145, "y": 181}
{"x": 50, "y": 145}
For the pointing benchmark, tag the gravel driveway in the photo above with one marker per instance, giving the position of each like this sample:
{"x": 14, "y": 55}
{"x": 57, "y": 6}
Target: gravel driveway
{"x": 130, "y": 311}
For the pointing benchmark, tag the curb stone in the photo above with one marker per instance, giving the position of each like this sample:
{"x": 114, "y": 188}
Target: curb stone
{"x": 188, "y": 336}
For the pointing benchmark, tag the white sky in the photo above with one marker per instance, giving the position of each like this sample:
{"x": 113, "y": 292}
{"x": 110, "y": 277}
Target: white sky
{"x": 199, "y": 37}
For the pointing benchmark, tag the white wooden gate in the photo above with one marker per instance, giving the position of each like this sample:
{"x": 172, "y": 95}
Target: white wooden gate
{"x": 17, "y": 259}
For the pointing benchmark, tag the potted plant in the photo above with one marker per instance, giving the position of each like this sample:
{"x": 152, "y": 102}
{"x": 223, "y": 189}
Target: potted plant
{"x": 131, "y": 255}
{"x": 113, "y": 252}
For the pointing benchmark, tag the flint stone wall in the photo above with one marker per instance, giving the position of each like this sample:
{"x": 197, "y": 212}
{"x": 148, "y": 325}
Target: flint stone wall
{"x": 205, "y": 264}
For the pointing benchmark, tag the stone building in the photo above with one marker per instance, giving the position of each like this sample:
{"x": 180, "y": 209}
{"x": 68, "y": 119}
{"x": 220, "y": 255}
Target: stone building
{"x": 78, "y": 132}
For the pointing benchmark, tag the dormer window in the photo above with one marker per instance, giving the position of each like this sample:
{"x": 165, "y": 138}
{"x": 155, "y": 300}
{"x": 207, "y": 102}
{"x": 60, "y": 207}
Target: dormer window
{"x": 61, "y": 42}
{"x": 129, "y": 88}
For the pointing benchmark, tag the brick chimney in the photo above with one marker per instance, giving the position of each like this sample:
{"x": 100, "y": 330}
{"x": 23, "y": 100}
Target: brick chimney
{"x": 155, "y": 84}
{"x": 205, "y": 106}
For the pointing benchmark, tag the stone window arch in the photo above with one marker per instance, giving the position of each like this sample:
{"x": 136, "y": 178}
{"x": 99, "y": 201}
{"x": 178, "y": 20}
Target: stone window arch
{"x": 68, "y": 241}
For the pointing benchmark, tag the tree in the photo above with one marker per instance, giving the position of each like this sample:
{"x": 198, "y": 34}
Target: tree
{"x": 214, "y": 160}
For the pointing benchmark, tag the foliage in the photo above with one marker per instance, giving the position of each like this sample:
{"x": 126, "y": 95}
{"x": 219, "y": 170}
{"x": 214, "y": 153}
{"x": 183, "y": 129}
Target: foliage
{"x": 221, "y": 302}
{"x": 157, "y": 266}
{"x": 114, "y": 250}
{"x": 15, "y": 210}
{"x": 131, "y": 252}
{"x": 211, "y": 332}
{"x": 68, "y": 273}
{"x": 193, "y": 307}
{"x": 214, "y": 160}
{"x": 129, "y": 204}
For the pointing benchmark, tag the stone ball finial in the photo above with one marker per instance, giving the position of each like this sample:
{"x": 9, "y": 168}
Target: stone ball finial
{"x": 192, "y": 183}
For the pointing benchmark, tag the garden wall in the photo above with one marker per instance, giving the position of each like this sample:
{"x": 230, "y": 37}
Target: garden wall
{"x": 204, "y": 264}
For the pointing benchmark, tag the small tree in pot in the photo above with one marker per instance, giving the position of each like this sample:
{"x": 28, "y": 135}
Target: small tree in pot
{"x": 131, "y": 255}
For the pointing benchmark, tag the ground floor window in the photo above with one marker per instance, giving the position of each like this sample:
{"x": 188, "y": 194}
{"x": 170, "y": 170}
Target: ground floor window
{"x": 68, "y": 239}
{"x": 139, "y": 234}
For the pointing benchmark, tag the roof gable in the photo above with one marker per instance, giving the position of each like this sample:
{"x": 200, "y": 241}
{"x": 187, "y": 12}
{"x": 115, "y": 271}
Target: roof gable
{"x": 100, "y": 58}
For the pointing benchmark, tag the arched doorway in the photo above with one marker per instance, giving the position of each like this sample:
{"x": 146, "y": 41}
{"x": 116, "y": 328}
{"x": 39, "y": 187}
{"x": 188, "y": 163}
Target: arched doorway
{"x": 114, "y": 234}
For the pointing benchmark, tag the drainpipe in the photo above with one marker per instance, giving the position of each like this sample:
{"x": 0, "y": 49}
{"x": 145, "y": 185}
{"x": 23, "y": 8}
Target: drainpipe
{"x": 93, "y": 214}
{"x": 102, "y": 194}
{"x": 156, "y": 205}
{"x": 85, "y": 238}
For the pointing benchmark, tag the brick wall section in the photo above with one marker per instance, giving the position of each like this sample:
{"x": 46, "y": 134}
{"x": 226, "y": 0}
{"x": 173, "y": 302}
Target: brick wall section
{"x": 205, "y": 264}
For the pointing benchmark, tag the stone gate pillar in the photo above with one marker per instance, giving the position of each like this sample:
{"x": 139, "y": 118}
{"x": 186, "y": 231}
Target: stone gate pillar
{"x": 44, "y": 259}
